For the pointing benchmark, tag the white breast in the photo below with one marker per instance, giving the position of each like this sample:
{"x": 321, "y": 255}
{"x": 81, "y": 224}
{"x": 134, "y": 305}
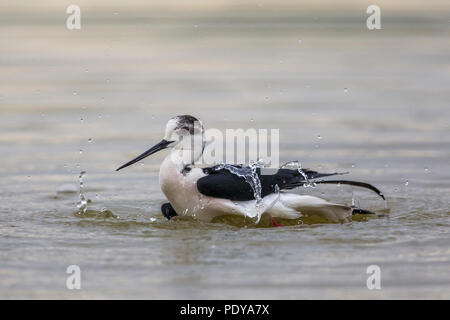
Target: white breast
{"x": 181, "y": 189}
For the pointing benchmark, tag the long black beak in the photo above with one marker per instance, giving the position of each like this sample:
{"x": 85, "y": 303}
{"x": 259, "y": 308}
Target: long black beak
{"x": 157, "y": 147}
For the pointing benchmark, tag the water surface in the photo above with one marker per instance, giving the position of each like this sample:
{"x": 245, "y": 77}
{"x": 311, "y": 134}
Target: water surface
{"x": 378, "y": 100}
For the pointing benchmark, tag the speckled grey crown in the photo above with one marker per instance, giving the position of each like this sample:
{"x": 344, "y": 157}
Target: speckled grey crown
{"x": 187, "y": 122}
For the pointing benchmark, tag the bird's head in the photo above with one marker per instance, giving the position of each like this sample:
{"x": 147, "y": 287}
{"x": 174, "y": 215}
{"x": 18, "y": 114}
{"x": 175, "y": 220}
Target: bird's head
{"x": 185, "y": 134}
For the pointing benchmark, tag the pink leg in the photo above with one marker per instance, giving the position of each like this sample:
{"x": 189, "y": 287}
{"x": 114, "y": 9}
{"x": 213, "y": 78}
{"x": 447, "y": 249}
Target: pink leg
{"x": 273, "y": 223}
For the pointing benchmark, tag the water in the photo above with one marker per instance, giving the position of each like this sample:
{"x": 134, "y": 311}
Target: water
{"x": 392, "y": 124}
{"x": 251, "y": 177}
{"x": 82, "y": 203}
{"x": 295, "y": 165}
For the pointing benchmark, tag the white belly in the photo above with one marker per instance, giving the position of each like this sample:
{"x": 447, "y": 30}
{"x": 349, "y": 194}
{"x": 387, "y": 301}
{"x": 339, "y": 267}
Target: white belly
{"x": 181, "y": 191}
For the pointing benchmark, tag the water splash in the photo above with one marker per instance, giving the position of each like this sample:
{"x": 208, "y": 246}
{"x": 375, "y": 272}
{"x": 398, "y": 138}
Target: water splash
{"x": 297, "y": 166}
{"x": 277, "y": 191}
{"x": 250, "y": 175}
{"x": 82, "y": 203}
{"x": 355, "y": 202}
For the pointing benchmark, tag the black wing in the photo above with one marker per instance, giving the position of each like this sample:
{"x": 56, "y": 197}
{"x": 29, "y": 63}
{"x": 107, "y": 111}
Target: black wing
{"x": 221, "y": 183}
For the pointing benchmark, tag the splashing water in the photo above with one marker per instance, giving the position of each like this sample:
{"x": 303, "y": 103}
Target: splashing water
{"x": 251, "y": 177}
{"x": 355, "y": 202}
{"x": 277, "y": 191}
{"x": 296, "y": 165}
{"x": 82, "y": 203}
{"x": 249, "y": 174}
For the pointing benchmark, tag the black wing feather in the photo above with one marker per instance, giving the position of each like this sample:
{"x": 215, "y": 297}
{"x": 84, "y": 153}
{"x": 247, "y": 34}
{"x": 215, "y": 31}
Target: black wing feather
{"x": 221, "y": 183}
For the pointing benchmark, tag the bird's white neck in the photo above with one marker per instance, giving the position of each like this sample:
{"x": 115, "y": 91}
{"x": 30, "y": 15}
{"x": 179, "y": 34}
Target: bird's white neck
{"x": 187, "y": 151}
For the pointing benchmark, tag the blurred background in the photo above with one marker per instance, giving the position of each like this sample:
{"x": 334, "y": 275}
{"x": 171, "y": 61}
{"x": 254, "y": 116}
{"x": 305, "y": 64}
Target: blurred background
{"x": 373, "y": 102}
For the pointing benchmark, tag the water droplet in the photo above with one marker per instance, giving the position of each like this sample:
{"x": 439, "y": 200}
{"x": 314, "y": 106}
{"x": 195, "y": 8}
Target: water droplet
{"x": 82, "y": 203}
{"x": 353, "y": 165}
{"x": 107, "y": 80}
{"x": 406, "y": 183}
{"x": 87, "y": 70}
{"x": 426, "y": 170}
{"x": 251, "y": 120}
{"x": 81, "y": 119}
{"x": 99, "y": 116}
{"x": 74, "y": 93}
{"x": 249, "y": 173}
{"x": 345, "y": 90}
{"x": 81, "y": 151}
{"x": 90, "y": 140}
{"x": 152, "y": 219}
{"x": 319, "y": 137}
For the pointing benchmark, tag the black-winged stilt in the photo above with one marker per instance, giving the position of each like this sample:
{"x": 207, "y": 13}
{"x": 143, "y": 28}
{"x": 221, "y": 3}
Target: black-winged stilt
{"x": 206, "y": 193}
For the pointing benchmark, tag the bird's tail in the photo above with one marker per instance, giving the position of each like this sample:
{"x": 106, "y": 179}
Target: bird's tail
{"x": 353, "y": 183}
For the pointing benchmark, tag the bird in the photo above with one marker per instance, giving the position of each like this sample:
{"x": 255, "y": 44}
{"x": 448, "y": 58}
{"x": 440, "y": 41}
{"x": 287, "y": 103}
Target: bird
{"x": 205, "y": 193}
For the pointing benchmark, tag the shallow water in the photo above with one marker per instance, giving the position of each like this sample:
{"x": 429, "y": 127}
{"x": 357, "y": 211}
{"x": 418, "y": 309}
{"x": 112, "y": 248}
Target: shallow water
{"x": 344, "y": 99}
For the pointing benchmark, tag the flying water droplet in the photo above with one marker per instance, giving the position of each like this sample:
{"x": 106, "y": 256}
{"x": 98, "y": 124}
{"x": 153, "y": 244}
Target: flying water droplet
{"x": 346, "y": 90}
{"x": 250, "y": 175}
{"x": 90, "y": 140}
{"x": 297, "y": 166}
{"x": 82, "y": 203}
{"x": 406, "y": 183}
{"x": 319, "y": 137}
